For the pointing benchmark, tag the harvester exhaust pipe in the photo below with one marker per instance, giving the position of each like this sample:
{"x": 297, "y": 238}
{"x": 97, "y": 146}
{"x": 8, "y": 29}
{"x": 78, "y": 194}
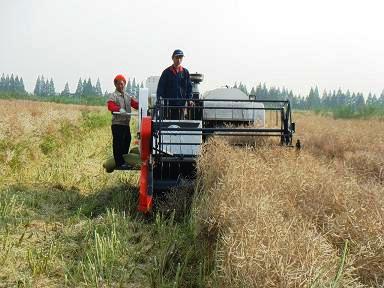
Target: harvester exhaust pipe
{"x": 196, "y": 79}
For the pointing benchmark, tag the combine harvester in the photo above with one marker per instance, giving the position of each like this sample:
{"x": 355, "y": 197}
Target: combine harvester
{"x": 168, "y": 148}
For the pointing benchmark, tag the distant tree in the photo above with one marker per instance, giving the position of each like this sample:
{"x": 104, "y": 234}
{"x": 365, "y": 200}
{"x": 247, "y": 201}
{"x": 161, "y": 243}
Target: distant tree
{"x": 370, "y": 100}
{"x": 36, "y": 91}
{"x": 359, "y": 102}
{"x": 43, "y": 86}
{"x": 98, "y": 91}
{"x": 142, "y": 84}
{"x": 88, "y": 88}
{"x": 325, "y": 99}
{"x": 253, "y": 91}
{"x": 347, "y": 98}
{"x": 137, "y": 90}
{"x": 128, "y": 88}
{"x": 11, "y": 85}
{"x": 106, "y": 94}
{"x": 66, "y": 91}
{"x": 313, "y": 99}
{"x": 259, "y": 92}
{"x": 16, "y": 87}
{"x": 243, "y": 88}
{"x": 380, "y": 101}
{"x": 6, "y": 83}
{"x": 79, "y": 89}
{"x": 340, "y": 99}
{"x": 22, "y": 87}
{"x": 133, "y": 89}
{"x": 47, "y": 88}
{"x": 51, "y": 88}
{"x": 2, "y": 83}
{"x": 84, "y": 92}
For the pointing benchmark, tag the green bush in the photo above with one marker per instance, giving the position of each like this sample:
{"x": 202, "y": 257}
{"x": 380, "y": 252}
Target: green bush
{"x": 95, "y": 119}
{"x": 48, "y": 144}
{"x": 348, "y": 112}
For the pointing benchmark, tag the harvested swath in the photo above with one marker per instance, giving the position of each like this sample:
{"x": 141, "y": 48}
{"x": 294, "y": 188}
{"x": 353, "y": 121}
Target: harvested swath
{"x": 283, "y": 219}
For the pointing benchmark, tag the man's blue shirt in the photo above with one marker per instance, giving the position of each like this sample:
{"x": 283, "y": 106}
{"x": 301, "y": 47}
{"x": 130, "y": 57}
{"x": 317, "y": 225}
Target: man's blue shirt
{"x": 175, "y": 83}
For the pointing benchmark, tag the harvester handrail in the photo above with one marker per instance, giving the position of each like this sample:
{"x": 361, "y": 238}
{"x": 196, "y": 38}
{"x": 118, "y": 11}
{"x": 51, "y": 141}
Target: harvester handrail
{"x": 223, "y": 107}
{"x": 226, "y": 100}
{"x": 223, "y": 129}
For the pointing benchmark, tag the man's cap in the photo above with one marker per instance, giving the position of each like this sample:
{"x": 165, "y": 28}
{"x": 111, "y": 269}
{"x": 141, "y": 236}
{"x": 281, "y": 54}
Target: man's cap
{"x": 119, "y": 77}
{"x": 177, "y": 52}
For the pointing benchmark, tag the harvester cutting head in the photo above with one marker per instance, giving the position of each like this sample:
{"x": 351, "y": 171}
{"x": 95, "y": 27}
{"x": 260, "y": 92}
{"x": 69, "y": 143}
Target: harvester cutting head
{"x": 171, "y": 135}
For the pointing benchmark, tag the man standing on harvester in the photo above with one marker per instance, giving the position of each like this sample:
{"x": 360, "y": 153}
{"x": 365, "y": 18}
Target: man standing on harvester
{"x": 120, "y": 103}
{"x": 175, "y": 83}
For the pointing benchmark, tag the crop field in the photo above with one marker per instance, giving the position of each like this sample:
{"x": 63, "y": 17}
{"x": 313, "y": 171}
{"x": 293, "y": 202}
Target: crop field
{"x": 263, "y": 216}
{"x": 313, "y": 218}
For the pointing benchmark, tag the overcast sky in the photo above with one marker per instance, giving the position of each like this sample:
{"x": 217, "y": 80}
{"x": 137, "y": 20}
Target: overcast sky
{"x": 295, "y": 43}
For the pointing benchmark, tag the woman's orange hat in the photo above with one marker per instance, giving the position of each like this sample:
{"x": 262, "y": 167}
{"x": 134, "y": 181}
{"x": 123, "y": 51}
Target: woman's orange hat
{"x": 119, "y": 78}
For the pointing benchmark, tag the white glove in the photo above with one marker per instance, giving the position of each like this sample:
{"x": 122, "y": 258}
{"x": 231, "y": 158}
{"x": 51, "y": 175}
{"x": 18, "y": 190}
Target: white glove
{"x": 122, "y": 110}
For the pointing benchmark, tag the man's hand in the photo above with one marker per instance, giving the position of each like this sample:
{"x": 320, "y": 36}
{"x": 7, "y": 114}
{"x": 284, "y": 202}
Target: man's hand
{"x": 122, "y": 110}
{"x": 191, "y": 103}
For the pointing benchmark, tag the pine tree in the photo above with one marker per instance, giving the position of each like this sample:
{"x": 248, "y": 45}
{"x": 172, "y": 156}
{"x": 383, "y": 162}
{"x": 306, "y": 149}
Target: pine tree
{"x": 106, "y": 94}
{"x": 17, "y": 84}
{"x": 36, "y": 91}
{"x": 84, "y": 87}
{"x": 137, "y": 90}
{"x": 142, "y": 84}
{"x": 369, "y": 99}
{"x": 313, "y": 99}
{"x": 46, "y": 88}
{"x": 2, "y": 83}
{"x": 42, "y": 87}
{"x": 133, "y": 89}
{"x": 98, "y": 90}
{"x": 88, "y": 88}
{"x": 128, "y": 89}
{"x": 79, "y": 89}
{"x": 51, "y": 88}
{"x": 380, "y": 101}
{"x": 259, "y": 92}
{"x": 6, "y": 83}
{"x": 66, "y": 91}
{"x": 11, "y": 86}
{"x": 22, "y": 88}
{"x": 360, "y": 102}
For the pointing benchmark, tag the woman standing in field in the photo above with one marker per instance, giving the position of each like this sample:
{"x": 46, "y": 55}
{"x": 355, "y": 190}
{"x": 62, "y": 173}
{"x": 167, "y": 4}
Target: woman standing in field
{"x": 119, "y": 101}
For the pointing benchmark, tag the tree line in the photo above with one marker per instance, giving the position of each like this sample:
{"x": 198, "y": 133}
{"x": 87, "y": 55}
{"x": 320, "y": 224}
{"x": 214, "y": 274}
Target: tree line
{"x": 12, "y": 84}
{"x": 45, "y": 87}
{"x": 328, "y": 100}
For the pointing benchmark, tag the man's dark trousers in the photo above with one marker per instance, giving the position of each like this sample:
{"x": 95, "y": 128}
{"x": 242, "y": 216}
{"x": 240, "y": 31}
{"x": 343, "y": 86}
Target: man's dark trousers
{"x": 121, "y": 142}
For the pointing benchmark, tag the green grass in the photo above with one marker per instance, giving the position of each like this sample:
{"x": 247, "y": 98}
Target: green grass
{"x": 64, "y": 222}
{"x": 349, "y": 112}
{"x": 81, "y": 100}
{"x": 92, "y": 241}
